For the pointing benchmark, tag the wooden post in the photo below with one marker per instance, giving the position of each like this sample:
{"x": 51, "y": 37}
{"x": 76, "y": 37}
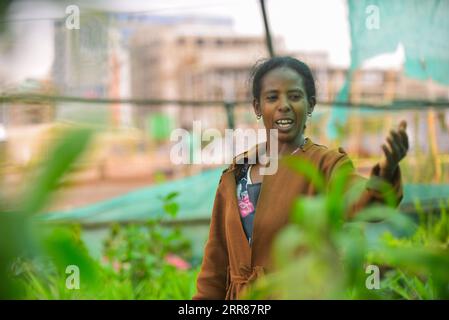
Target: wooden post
{"x": 433, "y": 144}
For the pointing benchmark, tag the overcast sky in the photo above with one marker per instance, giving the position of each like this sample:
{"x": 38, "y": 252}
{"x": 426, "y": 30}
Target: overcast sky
{"x": 305, "y": 25}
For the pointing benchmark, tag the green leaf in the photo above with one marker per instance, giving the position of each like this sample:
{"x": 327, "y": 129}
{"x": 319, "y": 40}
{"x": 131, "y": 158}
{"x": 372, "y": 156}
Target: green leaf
{"x": 389, "y": 215}
{"x": 60, "y": 160}
{"x": 171, "y": 196}
{"x": 171, "y": 208}
{"x": 337, "y": 190}
{"x": 307, "y": 169}
{"x": 65, "y": 249}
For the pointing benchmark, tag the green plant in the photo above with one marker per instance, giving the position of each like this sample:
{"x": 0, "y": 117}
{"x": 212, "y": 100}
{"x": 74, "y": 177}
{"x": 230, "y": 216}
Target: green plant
{"x": 320, "y": 255}
{"x": 152, "y": 256}
{"x": 18, "y": 226}
{"x": 135, "y": 265}
{"x": 34, "y": 257}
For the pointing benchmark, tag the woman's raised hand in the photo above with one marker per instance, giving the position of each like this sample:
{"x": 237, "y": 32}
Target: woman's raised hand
{"x": 394, "y": 150}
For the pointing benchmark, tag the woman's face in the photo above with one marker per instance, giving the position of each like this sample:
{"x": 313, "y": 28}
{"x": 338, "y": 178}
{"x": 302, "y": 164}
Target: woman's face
{"x": 283, "y": 103}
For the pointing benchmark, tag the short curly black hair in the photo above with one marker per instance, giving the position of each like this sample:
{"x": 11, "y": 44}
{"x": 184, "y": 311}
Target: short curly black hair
{"x": 262, "y": 67}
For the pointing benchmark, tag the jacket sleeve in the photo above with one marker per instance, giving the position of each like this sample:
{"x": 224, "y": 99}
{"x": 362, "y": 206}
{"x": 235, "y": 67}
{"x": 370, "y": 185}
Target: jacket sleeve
{"x": 211, "y": 281}
{"x": 376, "y": 189}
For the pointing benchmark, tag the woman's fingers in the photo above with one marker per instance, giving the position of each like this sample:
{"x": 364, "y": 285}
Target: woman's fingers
{"x": 387, "y": 152}
{"x": 395, "y": 149}
{"x": 402, "y": 132}
{"x": 399, "y": 142}
{"x": 404, "y": 138}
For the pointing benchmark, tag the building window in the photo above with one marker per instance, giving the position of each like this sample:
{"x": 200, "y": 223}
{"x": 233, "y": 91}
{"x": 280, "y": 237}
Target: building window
{"x": 372, "y": 78}
{"x": 181, "y": 41}
{"x": 199, "y": 42}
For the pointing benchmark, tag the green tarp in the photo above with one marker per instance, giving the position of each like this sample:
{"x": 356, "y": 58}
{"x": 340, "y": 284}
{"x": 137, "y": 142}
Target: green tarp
{"x": 195, "y": 198}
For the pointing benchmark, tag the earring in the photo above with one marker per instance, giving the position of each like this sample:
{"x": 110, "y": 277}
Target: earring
{"x": 258, "y": 117}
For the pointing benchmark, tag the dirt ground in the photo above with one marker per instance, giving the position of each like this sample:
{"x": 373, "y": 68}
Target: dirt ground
{"x": 87, "y": 193}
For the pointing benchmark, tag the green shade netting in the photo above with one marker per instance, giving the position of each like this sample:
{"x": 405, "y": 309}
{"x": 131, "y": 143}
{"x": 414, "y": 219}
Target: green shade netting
{"x": 195, "y": 199}
{"x": 379, "y": 26}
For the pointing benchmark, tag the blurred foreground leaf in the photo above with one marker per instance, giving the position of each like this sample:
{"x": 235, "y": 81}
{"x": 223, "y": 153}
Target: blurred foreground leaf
{"x": 19, "y": 235}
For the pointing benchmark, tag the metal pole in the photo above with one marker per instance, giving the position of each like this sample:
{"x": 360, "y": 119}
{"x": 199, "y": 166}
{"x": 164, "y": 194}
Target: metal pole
{"x": 229, "y": 107}
{"x": 267, "y": 29}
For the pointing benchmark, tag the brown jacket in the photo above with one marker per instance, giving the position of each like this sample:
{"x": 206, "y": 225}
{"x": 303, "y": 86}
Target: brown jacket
{"x": 229, "y": 263}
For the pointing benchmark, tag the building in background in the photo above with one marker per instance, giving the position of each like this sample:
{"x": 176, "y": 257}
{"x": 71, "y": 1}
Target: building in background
{"x": 24, "y": 125}
{"x": 124, "y": 55}
{"x": 193, "y": 58}
{"x": 81, "y": 60}
{"x": 22, "y": 114}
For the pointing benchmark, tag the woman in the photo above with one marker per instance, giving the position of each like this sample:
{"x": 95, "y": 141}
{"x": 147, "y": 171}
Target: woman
{"x": 237, "y": 251}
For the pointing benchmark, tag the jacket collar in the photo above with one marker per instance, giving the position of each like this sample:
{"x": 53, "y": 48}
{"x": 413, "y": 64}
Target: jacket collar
{"x": 252, "y": 153}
